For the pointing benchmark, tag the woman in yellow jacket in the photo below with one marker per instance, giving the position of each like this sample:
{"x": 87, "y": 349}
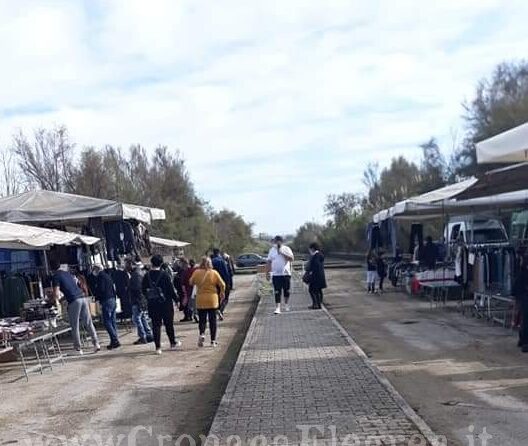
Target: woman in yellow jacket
{"x": 210, "y": 291}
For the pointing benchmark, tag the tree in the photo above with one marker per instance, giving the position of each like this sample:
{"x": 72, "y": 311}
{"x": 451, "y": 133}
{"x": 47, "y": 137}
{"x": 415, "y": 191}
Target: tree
{"x": 433, "y": 168}
{"x": 342, "y": 207}
{"x": 308, "y": 233}
{"x": 47, "y": 161}
{"x": 232, "y": 233}
{"x": 91, "y": 178}
{"x": 500, "y": 103}
{"x": 9, "y": 183}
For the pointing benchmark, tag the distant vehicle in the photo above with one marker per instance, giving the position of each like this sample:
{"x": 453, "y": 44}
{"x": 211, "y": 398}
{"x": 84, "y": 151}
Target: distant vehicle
{"x": 478, "y": 230}
{"x": 250, "y": 260}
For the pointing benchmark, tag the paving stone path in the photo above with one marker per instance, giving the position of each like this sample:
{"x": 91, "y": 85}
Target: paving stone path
{"x": 301, "y": 369}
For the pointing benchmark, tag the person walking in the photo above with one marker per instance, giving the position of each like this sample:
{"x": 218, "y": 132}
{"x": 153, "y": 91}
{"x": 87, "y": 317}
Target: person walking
{"x": 520, "y": 291}
{"x": 190, "y": 304}
{"x": 371, "y": 272}
{"x": 221, "y": 266}
{"x": 160, "y": 293}
{"x": 179, "y": 267}
{"x": 381, "y": 270}
{"x": 106, "y": 295}
{"x": 315, "y": 276}
{"x": 210, "y": 290}
{"x": 279, "y": 267}
{"x": 139, "y": 302}
{"x": 78, "y": 308}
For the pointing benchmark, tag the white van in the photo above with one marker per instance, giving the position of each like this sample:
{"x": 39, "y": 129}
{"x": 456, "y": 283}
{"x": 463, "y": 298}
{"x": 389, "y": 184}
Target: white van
{"x": 475, "y": 230}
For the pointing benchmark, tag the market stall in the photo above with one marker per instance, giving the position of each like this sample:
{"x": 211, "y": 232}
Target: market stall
{"x": 168, "y": 247}
{"x": 124, "y": 228}
{"x": 29, "y": 321}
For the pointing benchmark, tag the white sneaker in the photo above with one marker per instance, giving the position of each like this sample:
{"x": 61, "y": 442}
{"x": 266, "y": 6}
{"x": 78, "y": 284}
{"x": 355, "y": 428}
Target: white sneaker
{"x": 77, "y": 353}
{"x": 201, "y": 341}
{"x": 158, "y": 351}
{"x": 214, "y": 344}
{"x": 96, "y": 348}
{"x": 277, "y": 310}
{"x": 287, "y": 308}
{"x": 175, "y": 346}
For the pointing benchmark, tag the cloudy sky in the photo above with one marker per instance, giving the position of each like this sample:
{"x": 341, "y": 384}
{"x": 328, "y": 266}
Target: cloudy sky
{"x": 274, "y": 104}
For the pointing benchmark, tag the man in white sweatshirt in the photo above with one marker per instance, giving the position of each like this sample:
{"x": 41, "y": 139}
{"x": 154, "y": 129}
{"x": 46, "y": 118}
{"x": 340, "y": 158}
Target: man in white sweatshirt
{"x": 280, "y": 258}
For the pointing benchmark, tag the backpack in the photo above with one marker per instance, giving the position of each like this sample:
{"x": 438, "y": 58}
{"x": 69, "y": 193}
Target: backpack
{"x": 154, "y": 292}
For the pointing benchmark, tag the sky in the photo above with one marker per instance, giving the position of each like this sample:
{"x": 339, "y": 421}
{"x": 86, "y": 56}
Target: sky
{"x": 273, "y": 104}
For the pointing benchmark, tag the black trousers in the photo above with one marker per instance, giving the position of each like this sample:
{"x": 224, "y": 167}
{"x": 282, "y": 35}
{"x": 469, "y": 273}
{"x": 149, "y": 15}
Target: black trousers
{"x": 381, "y": 279}
{"x": 162, "y": 314}
{"x": 316, "y": 294}
{"x": 523, "y": 332}
{"x": 224, "y": 303}
{"x": 203, "y": 315}
{"x": 281, "y": 285}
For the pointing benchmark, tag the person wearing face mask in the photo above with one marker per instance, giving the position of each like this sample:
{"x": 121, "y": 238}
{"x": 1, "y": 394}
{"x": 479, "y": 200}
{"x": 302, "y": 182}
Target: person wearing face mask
{"x": 279, "y": 268}
{"x": 315, "y": 276}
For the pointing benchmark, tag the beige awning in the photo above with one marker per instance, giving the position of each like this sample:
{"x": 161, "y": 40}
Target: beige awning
{"x": 168, "y": 242}
{"x": 15, "y": 236}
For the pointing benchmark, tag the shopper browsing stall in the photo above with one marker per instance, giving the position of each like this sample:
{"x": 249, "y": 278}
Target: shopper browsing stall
{"x": 78, "y": 308}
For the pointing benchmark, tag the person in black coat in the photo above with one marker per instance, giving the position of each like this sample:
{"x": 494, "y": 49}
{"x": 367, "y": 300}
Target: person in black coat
{"x": 520, "y": 291}
{"x": 106, "y": 295}
{"x": 381, "y": 268}
{"x": 316, "y": 278}
{"x": 161, "y": 296}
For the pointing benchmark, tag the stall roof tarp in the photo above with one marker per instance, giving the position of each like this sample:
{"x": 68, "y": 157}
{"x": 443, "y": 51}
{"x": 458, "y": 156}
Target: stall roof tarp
{"x": 507, "y": 147}
{"x": 15, "y": 236}
{"x": 505, "y": 201}
{"x": 498, "y": 181}
{"x": 47, "y": 206}
{"x": 168, "y": 243}
{"x": 426, "y": 202}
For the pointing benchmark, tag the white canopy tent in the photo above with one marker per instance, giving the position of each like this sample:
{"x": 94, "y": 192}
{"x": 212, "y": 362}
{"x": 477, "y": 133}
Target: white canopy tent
{"x": 429, "y": 203}
{"x": 15, "y": 236}
{"x": 507, "y": 147}
{"x": 47, "y": 206}
{"x": 168, "y": 243}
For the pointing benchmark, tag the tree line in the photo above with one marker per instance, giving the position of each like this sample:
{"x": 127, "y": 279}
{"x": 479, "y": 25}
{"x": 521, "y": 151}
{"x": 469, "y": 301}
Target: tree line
{"x": 499, "y": 104}
{"x": 49, "y": 160}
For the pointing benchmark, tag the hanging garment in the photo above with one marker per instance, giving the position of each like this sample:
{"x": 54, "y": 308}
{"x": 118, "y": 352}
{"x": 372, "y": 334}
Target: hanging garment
{"x": 416, "y": 235}
{"x": 393, "y": 231}
{"x": 114, "y": 239}
{"x": 375, "y": 237}
{"x": 121, "y": 281}
{"x": 15, "y": 294}
{"x": 385, "y": 236}
{"x": 509, "y": 261}
{"x": 129, "y": 239}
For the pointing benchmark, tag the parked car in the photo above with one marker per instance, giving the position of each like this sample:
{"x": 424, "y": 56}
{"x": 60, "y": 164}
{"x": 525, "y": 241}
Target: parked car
{"x": 250, "y": 260}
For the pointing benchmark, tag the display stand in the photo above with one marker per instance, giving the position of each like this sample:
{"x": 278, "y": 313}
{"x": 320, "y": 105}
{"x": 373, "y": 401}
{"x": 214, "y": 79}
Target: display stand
{"x": 42, "y": 345}
{"x": 494, "y": 307}
{"x": 438, "y": 291}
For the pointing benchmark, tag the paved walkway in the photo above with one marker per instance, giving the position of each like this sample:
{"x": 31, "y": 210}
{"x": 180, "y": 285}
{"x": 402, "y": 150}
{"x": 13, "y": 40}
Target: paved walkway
{"x": 301, "y": 369}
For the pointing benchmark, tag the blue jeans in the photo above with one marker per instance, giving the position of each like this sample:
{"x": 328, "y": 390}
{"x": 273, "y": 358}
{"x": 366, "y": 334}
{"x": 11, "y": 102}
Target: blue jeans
{"x": 108, "y": 308}
{"x": 139, "y": 318}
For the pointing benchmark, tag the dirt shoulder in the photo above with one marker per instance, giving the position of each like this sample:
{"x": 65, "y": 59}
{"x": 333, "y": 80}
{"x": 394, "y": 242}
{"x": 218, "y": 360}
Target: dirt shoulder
{"x": 110, "y": 393}
{"x": 455, "y": 371}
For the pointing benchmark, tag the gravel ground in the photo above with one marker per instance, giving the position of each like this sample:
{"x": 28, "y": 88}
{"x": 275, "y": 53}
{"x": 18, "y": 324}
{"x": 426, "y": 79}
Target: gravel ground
{"x": 455, "y": 371}
{"x": 106, "y": 395}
